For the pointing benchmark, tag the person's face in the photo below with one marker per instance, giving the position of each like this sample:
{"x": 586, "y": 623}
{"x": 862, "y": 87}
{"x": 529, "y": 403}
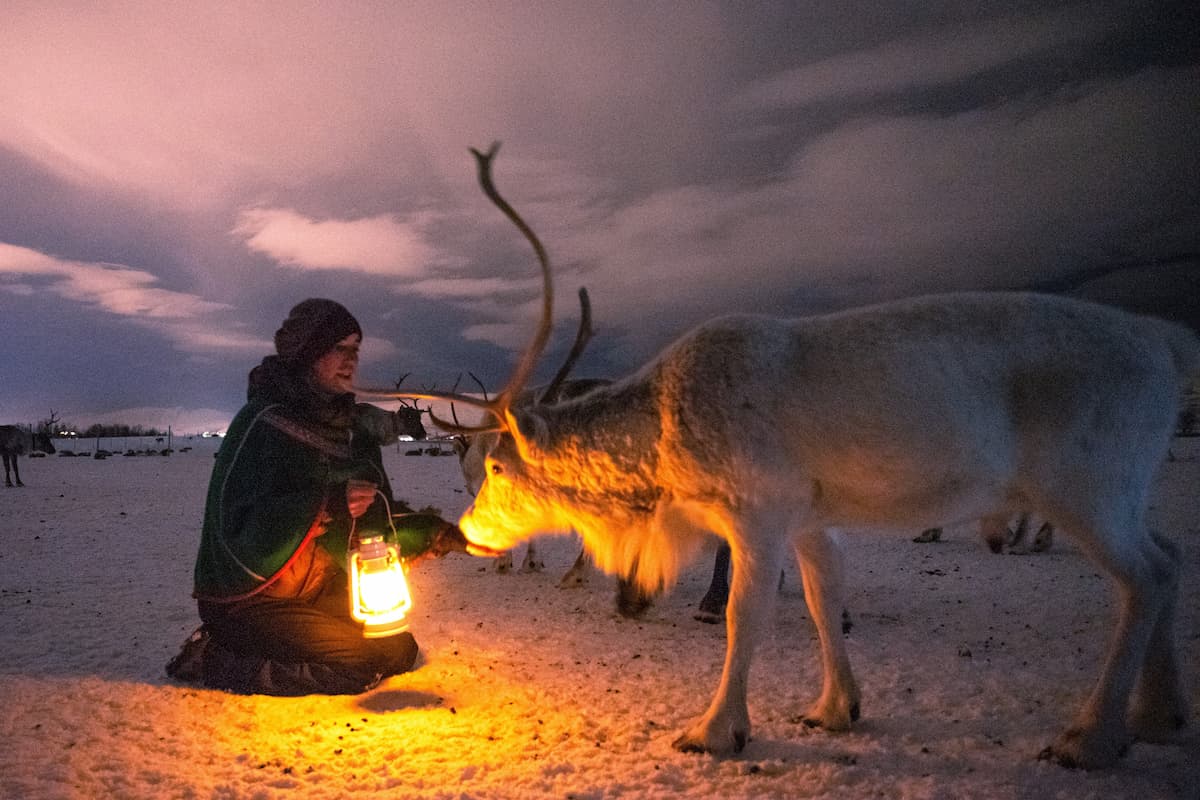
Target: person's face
{"x": 334, "y": 372}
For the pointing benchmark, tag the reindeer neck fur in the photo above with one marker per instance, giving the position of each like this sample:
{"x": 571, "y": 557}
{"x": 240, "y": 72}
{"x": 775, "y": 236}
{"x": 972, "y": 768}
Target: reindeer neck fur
{"x": 599, "y": 448}
{"x": 598, "y": 455}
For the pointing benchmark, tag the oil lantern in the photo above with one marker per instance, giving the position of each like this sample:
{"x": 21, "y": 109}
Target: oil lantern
{"x": 379, "y": 596}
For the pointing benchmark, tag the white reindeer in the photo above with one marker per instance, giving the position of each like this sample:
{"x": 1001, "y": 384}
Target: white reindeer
{"x": 925, "y": 411}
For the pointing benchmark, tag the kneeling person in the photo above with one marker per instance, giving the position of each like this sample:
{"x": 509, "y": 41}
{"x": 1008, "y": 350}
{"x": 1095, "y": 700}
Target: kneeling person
{"x": 299, "y": 472}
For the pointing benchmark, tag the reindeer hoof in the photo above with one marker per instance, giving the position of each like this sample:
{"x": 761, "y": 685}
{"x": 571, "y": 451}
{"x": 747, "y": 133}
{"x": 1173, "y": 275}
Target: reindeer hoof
{"x": 813, "y": 720}
{"x": 1077, "y": 749}
{"x": 711, "y": 611}
{"x": 685, "y": 744}
{"x": 631, "y": 602}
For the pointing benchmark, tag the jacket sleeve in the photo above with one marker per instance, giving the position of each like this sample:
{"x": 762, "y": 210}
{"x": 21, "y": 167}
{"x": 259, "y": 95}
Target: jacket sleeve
{"x": 415, "y": 532}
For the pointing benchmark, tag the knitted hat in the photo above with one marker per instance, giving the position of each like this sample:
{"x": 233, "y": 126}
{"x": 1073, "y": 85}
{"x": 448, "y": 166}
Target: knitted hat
{"x": 312, "y": 329}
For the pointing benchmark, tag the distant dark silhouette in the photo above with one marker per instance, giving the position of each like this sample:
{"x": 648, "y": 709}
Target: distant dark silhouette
{"x": 16, "y": 441}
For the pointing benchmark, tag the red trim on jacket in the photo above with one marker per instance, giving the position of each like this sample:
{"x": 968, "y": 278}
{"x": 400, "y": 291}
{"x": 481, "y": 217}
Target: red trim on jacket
{"x": 316, "y": 529}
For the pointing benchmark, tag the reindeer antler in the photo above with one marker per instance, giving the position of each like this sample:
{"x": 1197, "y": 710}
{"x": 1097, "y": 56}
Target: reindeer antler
{"x": 498, "y": 406}
{"x": 529, "y": 358}
{"x": 582, "y": 336}
{"x": 454, "y": 388}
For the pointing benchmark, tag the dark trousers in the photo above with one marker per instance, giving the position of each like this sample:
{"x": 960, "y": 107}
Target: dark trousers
{"x": 292, "y": 647}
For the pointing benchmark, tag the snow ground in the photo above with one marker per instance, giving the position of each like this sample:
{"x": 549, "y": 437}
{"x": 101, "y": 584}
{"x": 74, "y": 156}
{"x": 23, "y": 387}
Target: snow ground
{"x": 969, "y": 664}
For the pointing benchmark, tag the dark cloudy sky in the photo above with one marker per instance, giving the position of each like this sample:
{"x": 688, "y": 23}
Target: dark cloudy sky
{"x": 177, "y": 175}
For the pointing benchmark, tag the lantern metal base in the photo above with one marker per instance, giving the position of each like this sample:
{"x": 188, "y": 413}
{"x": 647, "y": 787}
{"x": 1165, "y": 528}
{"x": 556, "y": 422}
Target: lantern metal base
{"x": 380, "y": 630}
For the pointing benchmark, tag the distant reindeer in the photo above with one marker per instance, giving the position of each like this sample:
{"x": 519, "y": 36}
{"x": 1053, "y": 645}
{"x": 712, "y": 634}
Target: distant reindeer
{"x": 998, "y": 535}
{"x": 409, "y": 417}
{"x": 948, "y": 407}
{"x": 16, "y": 441}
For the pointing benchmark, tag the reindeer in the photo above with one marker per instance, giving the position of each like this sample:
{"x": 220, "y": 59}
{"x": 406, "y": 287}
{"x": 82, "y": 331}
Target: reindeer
{"x": 408, "y": 417}
{"x": 16, "y": 441}
{"x": 998, "y": 535}
{"x": 935, "y": 409}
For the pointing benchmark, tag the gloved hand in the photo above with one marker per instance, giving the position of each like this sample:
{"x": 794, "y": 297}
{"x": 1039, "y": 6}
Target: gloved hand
{"x": 359, "y": 497}
{"x": 450, "y": 539}
{"x": 424, "y": 535}
{"x": 381, "y": 426}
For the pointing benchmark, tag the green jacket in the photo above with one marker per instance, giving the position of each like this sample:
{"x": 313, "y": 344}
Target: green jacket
{"x": 277, "y": 485}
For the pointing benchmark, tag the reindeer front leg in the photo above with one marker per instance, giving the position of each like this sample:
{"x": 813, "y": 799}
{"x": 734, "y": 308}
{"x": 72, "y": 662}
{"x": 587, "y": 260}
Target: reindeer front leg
{"x": 725, "y": 727}
{"x": 821, "y": 568}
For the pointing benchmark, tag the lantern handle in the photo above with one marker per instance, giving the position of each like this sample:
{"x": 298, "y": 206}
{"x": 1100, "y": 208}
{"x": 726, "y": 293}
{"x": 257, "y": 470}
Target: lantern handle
{"x": 391, "y": 526}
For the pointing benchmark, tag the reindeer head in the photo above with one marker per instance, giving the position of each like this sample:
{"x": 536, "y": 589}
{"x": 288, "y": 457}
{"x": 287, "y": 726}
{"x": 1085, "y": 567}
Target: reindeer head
{"x": 512, "y": 497}
{"x": 43, "y": 437}
{"x": 588, "y": 464}
{"x": 517, "y": 495}
{"x": 409, "y": 418}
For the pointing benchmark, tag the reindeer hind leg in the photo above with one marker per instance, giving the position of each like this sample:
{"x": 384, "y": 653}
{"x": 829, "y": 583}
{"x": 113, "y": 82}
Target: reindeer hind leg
{"x": 1146, "y": 575}
{"x": 1160, "y": 706}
